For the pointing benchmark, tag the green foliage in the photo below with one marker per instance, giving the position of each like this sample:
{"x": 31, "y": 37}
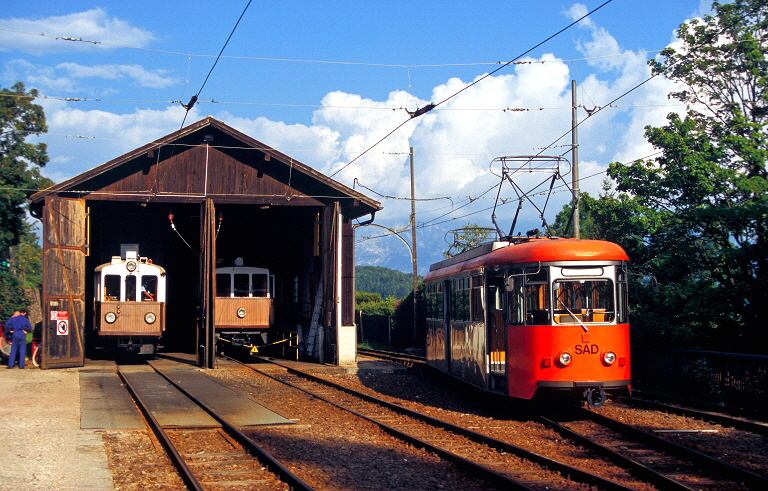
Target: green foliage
{"x": 404, "y": 332}
{"x": 372, "y": 304}
{"x": 20, "y": 164}
{"x": 384, "y": 281}
{"x": 696, "y": 217}
{"x": 20, "y": 161}
{"x": 467, "y": 237}
{"x": 11, "y": 295}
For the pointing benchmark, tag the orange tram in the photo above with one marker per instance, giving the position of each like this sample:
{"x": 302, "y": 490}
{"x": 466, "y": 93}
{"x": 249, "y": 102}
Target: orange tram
{"x": 536, "y": 318}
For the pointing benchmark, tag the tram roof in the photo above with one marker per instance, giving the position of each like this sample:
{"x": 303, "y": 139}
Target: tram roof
{"x": 530, "y": 251}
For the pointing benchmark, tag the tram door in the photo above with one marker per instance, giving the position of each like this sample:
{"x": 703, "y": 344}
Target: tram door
{"x": 497, "y": 332}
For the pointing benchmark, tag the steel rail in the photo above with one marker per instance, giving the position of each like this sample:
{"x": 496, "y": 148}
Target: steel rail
{"x": 393, "y": 356}
{"x": 574, "y": 474}
{"x": 733, "y": 472}
{"x": 173, "y": 453}
{"x": 253, "y": 448}
{"x": 635, "y": 468}
{"x": 712, "y": 417}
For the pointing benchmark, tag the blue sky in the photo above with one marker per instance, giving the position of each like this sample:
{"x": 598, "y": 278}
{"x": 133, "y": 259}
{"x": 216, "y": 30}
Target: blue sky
{"x": 323, "y": 81}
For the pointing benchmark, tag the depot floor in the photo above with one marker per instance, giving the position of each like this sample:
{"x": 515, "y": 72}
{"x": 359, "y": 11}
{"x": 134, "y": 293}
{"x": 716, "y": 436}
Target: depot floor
{"x": 43, "y": 446}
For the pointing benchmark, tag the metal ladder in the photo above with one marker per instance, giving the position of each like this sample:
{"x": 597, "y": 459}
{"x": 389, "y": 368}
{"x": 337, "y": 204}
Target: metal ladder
{"x": 314, "y": 326}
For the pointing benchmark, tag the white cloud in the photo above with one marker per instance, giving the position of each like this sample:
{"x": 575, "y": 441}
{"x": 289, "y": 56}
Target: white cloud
{"x": 26, "y": 35}
{"x": 75, "y": 78}
{"x": 453, "y": 145}
{"x": 155, "y": 79}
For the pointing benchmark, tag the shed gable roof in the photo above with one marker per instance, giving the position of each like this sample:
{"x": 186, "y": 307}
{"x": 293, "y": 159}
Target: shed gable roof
{"x": 209, "y": 159}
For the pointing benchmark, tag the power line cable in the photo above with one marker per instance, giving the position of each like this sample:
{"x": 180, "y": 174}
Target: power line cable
{"x": 430, "y": 106}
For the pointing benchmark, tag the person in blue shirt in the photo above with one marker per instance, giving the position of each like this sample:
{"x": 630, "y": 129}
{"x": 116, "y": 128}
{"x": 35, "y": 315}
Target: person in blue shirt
{"x": 17, "y": 327}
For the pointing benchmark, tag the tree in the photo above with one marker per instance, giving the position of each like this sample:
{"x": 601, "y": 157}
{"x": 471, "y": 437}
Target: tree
{"x": 20, "y": 161}
{"x": 20, "y": 164}
{"x": 702, "y": 206}
{"x": 467, "y": 237}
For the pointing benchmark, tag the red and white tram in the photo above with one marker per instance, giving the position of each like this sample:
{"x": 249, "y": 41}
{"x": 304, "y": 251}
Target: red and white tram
{"x": 532, "y": 318}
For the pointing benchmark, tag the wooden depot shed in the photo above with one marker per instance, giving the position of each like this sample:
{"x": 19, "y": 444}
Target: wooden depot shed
{"x": 193, "y": 200}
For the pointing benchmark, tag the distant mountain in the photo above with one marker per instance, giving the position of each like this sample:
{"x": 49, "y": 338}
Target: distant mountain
{"x": 385, "y": 281}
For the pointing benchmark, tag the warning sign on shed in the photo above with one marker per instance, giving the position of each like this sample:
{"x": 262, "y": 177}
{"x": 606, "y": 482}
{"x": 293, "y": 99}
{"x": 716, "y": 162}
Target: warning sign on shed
{"x": 62, "y": 321}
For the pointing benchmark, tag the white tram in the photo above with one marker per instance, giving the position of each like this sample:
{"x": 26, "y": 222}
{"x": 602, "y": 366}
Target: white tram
{"x": 129, "y": 304}
{"x": 244, "y": 310}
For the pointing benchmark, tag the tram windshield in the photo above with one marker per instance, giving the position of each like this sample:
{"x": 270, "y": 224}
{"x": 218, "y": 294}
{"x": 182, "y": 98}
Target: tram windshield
{"x": 583, "y": 300}
{"x": 242, "y": 285}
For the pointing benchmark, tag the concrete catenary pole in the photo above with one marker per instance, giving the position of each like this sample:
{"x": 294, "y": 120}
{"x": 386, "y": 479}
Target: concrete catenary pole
{"x": 413, "y": 249}
{"x": 575, "y": 162}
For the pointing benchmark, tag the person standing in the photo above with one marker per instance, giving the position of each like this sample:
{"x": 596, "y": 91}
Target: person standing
{"x": 18, "y": 326}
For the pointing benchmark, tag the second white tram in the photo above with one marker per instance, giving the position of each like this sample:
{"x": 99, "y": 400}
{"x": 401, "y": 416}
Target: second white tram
{"x": 244, "y": 310}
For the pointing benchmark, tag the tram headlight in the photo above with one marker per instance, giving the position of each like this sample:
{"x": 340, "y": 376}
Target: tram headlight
{"x": 150, "y": 317}
{"x": 241, "y": 312}
{"x": 564, "y": 358}
{"x": 609, "y": 357}
{"x": 110, "y": 317}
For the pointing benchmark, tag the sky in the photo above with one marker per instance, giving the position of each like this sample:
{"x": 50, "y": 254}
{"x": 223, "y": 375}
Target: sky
{"x": 331, "y": 84}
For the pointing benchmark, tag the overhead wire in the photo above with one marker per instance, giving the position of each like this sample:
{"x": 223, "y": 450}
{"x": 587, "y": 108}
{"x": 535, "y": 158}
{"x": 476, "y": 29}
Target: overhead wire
{"x": 431, "y": 106}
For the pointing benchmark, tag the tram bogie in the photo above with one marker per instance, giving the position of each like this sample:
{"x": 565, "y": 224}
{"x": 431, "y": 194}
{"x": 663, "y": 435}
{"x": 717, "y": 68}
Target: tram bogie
{"x": 244, "y": 311}
{"x": 533, "y": 319}
{"x": 129, "y": 304}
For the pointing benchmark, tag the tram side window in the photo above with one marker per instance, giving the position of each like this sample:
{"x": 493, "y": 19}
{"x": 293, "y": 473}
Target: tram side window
{"x": 477, "y": 299}
{"x": 460, "y": 299}
{"x": 111, "y": 288}
{"x": 149, "y": 288}
{"x": 621, "y": 295}
{"x": 434, "y": 303}
{"x": 536, "y": 293}
{"x": 260, "y": 285}
{"x": 130, "y": 288}
{"x": 515, "y": 303}
{"x": 242, "y": 287}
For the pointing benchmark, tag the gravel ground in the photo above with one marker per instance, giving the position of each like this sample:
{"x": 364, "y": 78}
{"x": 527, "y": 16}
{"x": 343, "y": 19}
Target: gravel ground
{"x": 332, "y": 450}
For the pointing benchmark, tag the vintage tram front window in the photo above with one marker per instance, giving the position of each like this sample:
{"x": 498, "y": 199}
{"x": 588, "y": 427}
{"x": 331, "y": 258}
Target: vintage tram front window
{"x": 585, "y": 300}
{"x": 130, "y": 288}
{"x": 111, "y": 288}
{"x": 223, "y": 285}
{"x": 536, "y": 294}
{"x": 260, "y": 285}
{"x": 241, "y": 282}
{"x": 149, "y": 288}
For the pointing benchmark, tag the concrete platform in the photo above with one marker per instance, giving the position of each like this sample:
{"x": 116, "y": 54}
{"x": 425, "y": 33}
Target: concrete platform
{"x": 44, "y": 447}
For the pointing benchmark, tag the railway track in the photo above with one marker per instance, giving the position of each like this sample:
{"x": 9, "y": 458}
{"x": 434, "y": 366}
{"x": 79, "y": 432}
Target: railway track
{"x": 499, "y": 462}
{"x": 215, "y": 456}
{"x": 657, "y": 461}
{"x": 664, "y": 464}
{"x": 753, "y": 426}
{"x": 409, "y": 360}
